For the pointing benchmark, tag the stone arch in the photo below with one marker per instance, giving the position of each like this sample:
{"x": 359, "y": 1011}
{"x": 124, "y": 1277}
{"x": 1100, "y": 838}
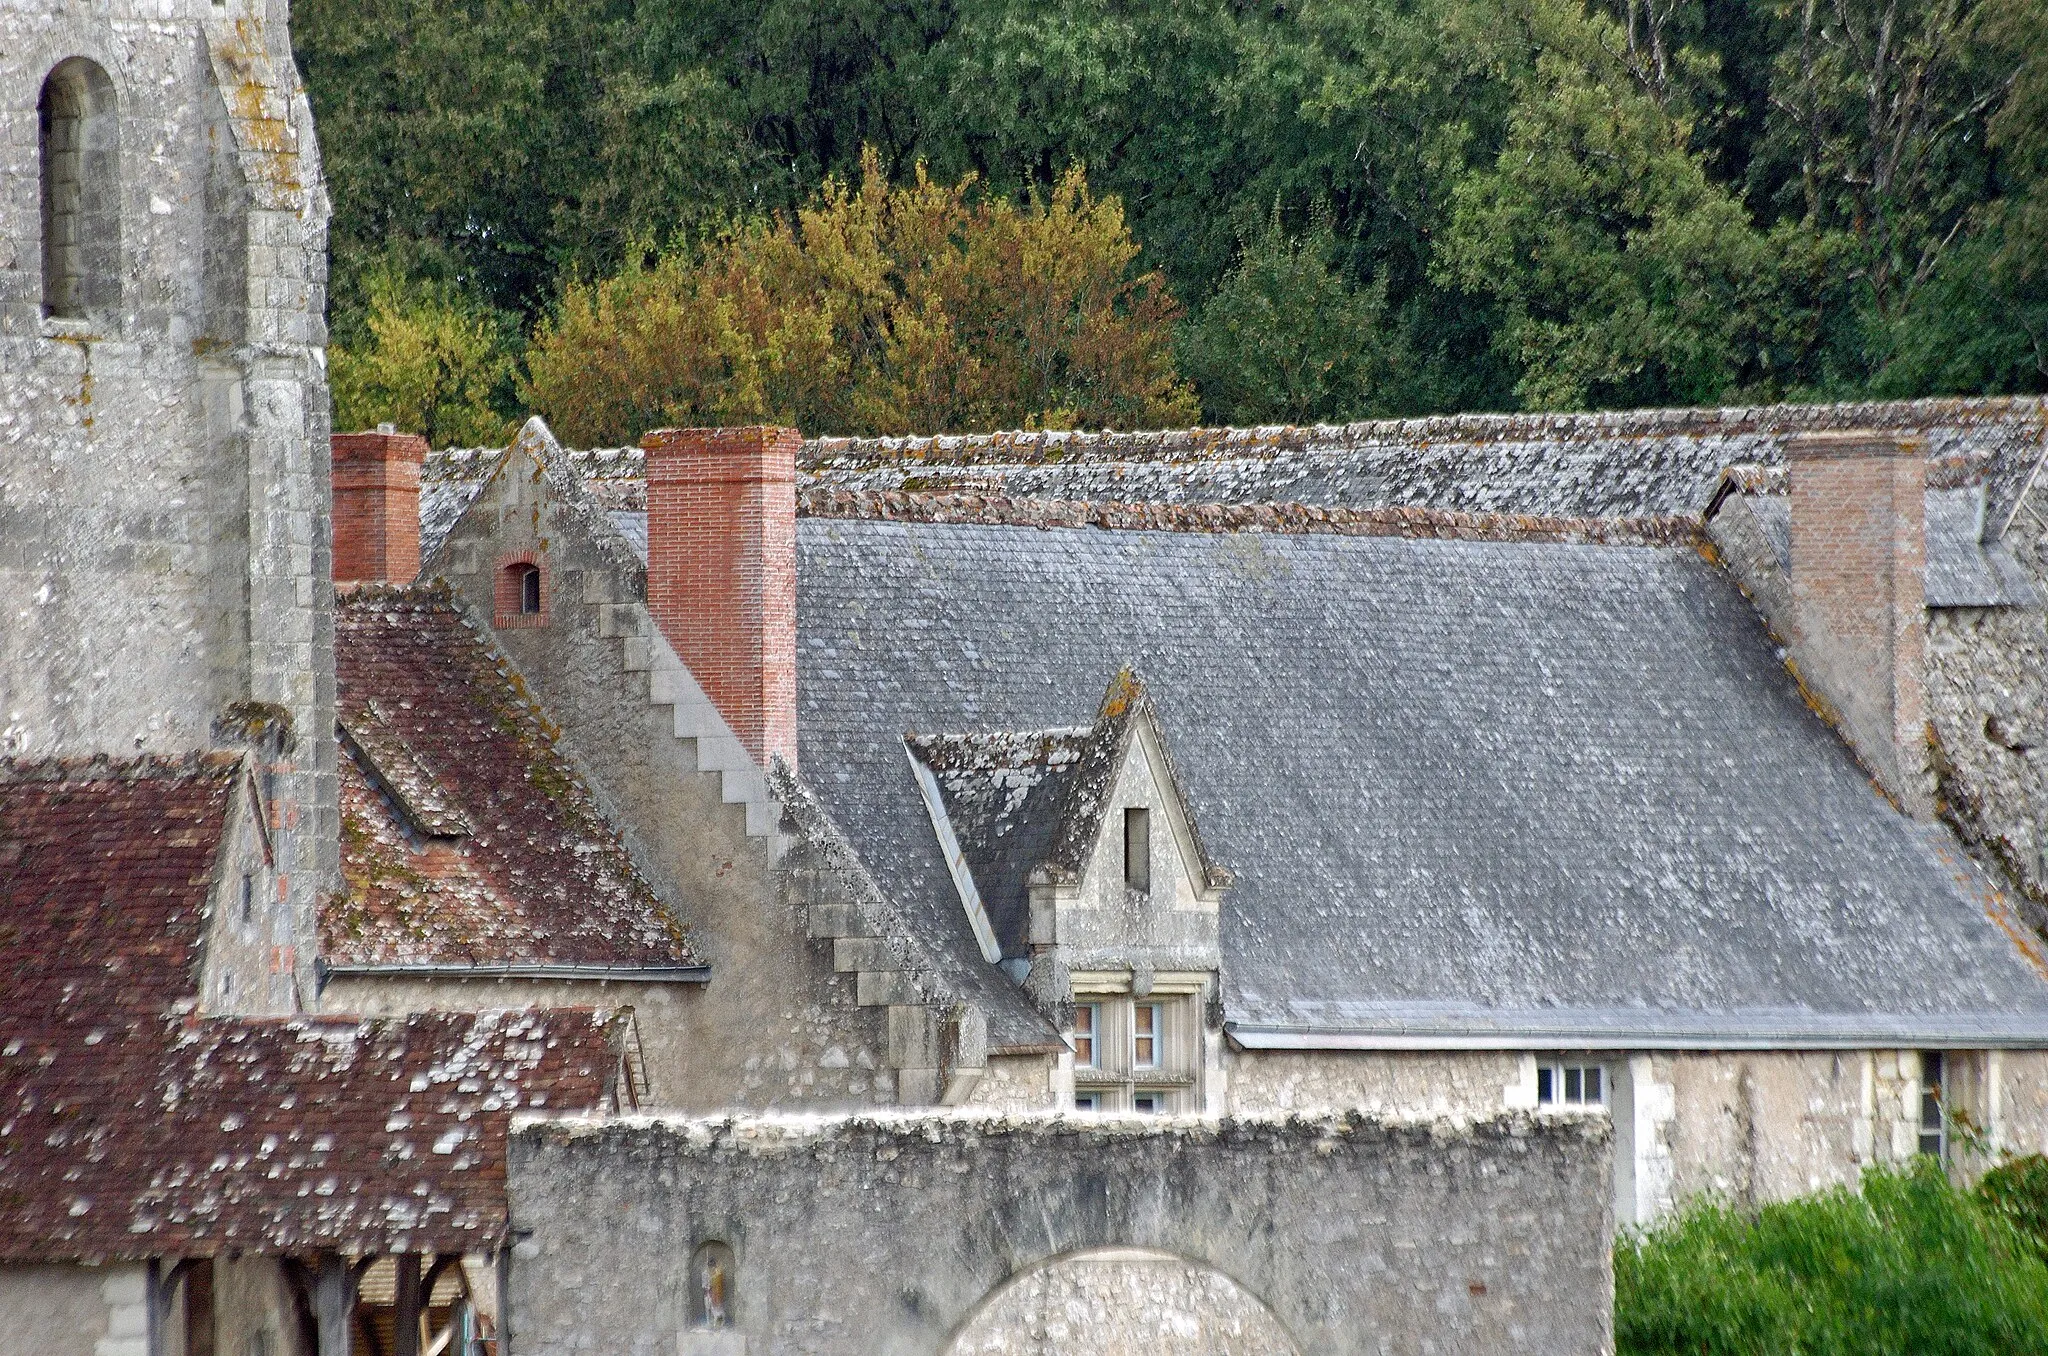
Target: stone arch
{"x": 79, "y": 128}
{"x": 1121, "y": 1302}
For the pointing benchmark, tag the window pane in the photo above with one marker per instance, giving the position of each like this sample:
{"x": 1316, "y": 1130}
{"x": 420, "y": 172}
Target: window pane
{"x": 1085, "y": 1015}
{"x": 1138, "y": 848}
{"x": 1593, "y": 1083}
{"x": 1573, "y": 1090}
{"x": 1148, "y": 1101}
{"x": 1087, "y": 1101}
{"x": 1546, "y": 1093}
{"x": 1145, "y": 1036}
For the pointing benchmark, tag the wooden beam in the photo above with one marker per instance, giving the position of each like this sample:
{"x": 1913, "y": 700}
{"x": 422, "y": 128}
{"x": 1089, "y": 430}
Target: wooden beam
{"x": 406, "y": 1306}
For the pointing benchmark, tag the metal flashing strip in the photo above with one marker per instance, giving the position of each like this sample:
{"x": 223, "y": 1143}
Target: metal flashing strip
{"x": 605, "y": 974}
{"x": 1762, "y": 1029}
{"x": 956, "y": 860}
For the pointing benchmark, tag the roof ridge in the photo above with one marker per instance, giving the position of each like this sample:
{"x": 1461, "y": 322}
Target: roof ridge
{"x": 968, "y": 508}
{"x": 1070, "y": 445}
{"x": 192, "y": 764}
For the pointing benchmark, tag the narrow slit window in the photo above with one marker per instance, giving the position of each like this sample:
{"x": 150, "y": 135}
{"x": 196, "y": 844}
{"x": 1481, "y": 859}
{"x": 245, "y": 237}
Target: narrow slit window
{"x": 1933, "y": 1115}
{"x": 529, "y": 590}
{"x": 248, "y": 899}
{"x": 1138, "y": 848}
{"x": 1087, "y": 1023}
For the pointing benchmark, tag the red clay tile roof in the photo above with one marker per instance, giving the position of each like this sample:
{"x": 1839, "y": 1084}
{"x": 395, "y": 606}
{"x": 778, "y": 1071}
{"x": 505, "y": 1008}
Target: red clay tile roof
{"x": 130, "y": 1127}
{"x": 466, "y": 837}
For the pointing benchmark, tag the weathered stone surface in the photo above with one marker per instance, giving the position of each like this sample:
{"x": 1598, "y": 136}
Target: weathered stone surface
{"x": 894, "y": 1235}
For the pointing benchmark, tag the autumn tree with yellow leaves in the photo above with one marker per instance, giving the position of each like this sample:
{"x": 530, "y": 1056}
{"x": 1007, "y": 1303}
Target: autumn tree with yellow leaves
{"x": 877, "y": 309}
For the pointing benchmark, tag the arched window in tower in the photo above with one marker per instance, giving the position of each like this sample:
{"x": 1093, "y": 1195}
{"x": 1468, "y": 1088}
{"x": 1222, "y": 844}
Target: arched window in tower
{"x": 81, "y": 155}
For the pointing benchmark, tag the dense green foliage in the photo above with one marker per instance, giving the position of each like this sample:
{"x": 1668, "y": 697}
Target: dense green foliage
{"x": 1907, "y": 1264}
{"x": 875, "y": 310}
{"x": 1365, "y": 206}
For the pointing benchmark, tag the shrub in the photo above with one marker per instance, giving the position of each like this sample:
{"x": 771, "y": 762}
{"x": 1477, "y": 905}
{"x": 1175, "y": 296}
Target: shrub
{"x": 1904, "y": 1264}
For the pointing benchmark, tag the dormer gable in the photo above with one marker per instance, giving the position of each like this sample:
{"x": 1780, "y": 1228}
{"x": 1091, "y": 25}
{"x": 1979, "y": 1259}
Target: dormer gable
{"x": 1077, "y": 838}
{"x": 249, "y": 959}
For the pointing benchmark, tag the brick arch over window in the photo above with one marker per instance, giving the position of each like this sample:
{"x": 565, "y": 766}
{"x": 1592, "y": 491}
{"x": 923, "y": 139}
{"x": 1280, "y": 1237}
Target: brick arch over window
{"x": 520, "y": 597}
{"x": 80, "y": 131}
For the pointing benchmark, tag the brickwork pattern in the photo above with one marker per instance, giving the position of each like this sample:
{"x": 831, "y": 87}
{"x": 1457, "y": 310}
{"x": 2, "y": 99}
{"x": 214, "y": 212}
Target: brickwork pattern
{"x": 377, "y": 507}
{"x": 721, "y": 582}
{"x": 1858, "y": 557}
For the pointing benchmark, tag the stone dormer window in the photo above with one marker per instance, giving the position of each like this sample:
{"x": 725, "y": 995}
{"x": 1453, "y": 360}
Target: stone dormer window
{"x": 80, "y": 138}
{"x": 1136, "y": 1054}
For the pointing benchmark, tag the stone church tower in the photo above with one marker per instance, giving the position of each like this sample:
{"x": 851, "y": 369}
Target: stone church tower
{"x": 163, "y": 403}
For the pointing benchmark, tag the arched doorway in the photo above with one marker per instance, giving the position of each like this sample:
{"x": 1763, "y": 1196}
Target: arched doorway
{"x": 1122, "y": 1302}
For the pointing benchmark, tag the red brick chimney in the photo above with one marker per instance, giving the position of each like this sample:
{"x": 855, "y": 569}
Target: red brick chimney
{"x": 721, "y": 571}
{"x": 1859, "y": 551}
{"x": 377, "y": 506}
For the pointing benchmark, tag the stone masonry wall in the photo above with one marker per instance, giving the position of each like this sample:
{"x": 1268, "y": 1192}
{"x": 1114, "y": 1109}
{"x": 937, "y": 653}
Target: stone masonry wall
{"x": 904, "y": 1234}
{"x": 777, "y": 1025}
{"x": 163, "y": 542}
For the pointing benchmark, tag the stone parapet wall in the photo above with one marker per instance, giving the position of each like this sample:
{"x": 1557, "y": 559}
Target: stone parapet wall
{"x": 932, "y": 1234}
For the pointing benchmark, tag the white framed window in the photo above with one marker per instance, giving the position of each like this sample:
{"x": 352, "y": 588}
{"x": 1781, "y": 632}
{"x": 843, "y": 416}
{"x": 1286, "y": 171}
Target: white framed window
{"x": 1571, "y": 1085}
{"x": 1148, "y": 1030}
{"x": 1150, "y": 1101}
{"x": 1933, "y": 1112}
{"x": 1087, "y": 1101}
{"x": 1087, "y": 1035}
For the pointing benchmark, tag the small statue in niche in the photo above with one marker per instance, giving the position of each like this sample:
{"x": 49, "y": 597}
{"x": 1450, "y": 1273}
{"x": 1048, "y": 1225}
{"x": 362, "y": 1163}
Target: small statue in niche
{"x": 711, "y": 1286}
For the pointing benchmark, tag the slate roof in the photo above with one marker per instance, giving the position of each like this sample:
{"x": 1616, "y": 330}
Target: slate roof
{"x": 131, "y": 1125}
{"x": 467, "y": 838}
{"x": 1480, "y": 792}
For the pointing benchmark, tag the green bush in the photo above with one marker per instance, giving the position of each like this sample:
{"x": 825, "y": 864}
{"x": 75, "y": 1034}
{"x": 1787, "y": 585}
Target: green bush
{"x": 1904, "y": 1265}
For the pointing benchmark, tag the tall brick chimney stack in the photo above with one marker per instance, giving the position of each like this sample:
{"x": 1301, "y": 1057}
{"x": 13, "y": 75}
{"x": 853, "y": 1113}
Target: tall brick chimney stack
{"x": 377, "y": 506}
{"x": 721, "y": 571}
{"x": 1859, "y": 551}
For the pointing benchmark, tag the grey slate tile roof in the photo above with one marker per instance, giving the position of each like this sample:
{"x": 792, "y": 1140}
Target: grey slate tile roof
{"x": 1504, "y": 793}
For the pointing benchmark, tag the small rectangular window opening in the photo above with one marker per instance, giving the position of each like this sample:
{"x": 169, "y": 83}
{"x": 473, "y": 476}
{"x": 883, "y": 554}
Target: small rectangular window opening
{"x": 1571, "y": 1085}
{"x": 1145, "y": 1034}
{"x": 1087, "y": 1101}
{"x": 1138, "y": 848}
{"x": 1933, "y": 1115}
{"x": 529, "y": 590}
{"x": 1087, "y": 1021}
{"x": 1149, "y": 1103}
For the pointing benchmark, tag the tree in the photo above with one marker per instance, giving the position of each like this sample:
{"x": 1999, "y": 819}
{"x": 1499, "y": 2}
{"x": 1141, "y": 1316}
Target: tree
{"x": 1287, "y": 337}
{"x": 877, "y": 309}
{"x": 1623, "y": 275}
{"x": 435, "y": 362}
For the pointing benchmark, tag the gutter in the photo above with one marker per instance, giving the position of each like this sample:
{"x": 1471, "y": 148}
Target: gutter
{"x": 323, "y": 971}
{"x": 1932, "y": 1036}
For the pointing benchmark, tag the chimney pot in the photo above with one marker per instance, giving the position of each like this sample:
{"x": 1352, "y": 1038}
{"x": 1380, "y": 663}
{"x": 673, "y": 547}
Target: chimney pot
{"x": 377, "y": 506}
{"x": 721, "y": 571}
{"x": 1859, "y": 550}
